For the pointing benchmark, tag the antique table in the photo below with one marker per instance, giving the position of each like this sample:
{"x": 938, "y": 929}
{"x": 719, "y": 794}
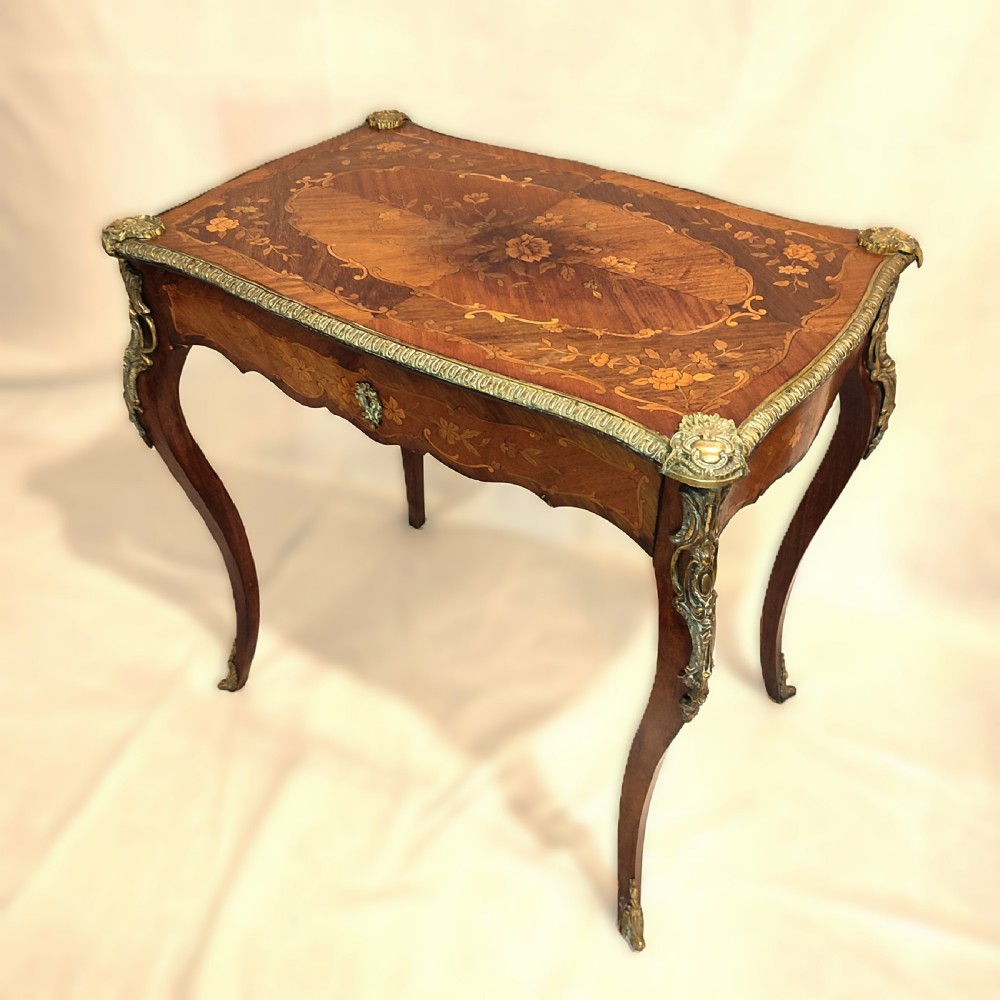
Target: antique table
{"x": 653, "y": 355}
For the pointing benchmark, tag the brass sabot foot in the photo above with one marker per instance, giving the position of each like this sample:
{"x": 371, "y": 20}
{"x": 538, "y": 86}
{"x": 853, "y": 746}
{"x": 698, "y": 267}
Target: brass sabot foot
{"x": 231, "y": 681}
{"x": 630, "y": 922}
{"x": 785, "y": 690}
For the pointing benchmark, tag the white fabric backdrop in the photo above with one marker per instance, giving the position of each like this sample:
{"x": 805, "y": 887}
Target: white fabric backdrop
{"x": 416, "y": 795}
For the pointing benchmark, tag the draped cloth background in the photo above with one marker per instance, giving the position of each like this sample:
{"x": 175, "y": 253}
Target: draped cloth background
{"x": 416, "y": 795}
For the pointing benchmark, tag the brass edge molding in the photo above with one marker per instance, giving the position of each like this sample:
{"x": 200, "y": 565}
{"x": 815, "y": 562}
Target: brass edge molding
{"x": 889, "y": 239}
{"x": 630, "y": 921}
{"x": 640, "y": 439}
{"x": 882, "y": 371}
{"x": 780, "y": 403}
{"x": 382, "y": 120}
{"x": 692, "y": 572}
{"x": 141, "y": 345}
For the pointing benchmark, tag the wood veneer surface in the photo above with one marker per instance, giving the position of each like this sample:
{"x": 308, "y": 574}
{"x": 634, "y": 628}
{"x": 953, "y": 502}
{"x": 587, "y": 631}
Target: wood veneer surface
{"x": 646, "y": 299}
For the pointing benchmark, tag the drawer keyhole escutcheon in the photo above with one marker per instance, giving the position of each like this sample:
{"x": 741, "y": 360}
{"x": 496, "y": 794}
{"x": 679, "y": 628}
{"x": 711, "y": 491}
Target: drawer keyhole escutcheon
{"x": 371, "y": 406}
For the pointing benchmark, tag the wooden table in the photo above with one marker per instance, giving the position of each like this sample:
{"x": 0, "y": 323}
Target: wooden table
{"x": 651, "y": 354}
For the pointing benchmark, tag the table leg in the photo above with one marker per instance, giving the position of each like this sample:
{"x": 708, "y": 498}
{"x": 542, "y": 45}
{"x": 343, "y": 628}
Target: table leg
{"x": 153, "y": 366}
{"x": 867, "y": 397}
{"x": 413, "y": 474}
{"x": 684, "y": 561}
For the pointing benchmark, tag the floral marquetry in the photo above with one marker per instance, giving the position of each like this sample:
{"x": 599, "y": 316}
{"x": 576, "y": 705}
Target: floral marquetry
{"x": 634, "y": 297}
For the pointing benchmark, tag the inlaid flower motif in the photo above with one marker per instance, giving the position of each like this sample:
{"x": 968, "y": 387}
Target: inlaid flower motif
{"x": 666, "y": 379}
{"x": 743, "y": 234}
{"x": 476, "y": 198}
{"x": 793, "y": 269}
{"x": 701, "y": 359}
{"x": 389, "y": 214}
{"x": 391, "y": 147}
{"x": 528, "y": 248}
{"x": 448, "y": 430}
{"x": 600, "y": 359}
{"x": 800, "y": 251}
{"x": 221, "y": 224}
{"x": 433, "y": 156}
{"x": 548, "y": 219}
{"x": 625, "y": 264}
{"x": 393, "y": 411}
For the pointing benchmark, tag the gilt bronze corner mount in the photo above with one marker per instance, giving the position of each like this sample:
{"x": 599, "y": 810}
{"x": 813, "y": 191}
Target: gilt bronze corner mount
{"x": 382, "y": 120}
{"x": 889, "y": 239}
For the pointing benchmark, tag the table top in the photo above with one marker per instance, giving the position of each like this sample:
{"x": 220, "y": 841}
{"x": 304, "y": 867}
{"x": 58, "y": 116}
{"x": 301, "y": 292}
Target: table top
{"x": 551, "y": 278}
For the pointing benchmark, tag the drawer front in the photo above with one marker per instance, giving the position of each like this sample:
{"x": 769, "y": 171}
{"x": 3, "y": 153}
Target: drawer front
{"x": 477, "y": 435}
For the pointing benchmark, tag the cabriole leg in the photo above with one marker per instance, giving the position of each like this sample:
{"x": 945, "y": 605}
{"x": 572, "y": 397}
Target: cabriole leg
{"x": 684, "y": 561}
{"x": 152, "y": 371}
{"x": 867, "y": 398}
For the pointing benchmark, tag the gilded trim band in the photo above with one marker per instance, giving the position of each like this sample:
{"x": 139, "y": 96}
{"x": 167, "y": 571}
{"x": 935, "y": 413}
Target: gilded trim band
{"x": 635, "y": 436}
{"x": 640, "y": 439}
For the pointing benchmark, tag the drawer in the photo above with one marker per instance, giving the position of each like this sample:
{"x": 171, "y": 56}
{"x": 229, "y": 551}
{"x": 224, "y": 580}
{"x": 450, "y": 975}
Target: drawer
{"x": 477, "y": 435}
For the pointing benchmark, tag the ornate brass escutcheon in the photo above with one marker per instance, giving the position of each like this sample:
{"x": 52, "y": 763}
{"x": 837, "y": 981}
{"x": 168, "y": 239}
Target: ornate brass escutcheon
{"x": 371, "y": 406}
